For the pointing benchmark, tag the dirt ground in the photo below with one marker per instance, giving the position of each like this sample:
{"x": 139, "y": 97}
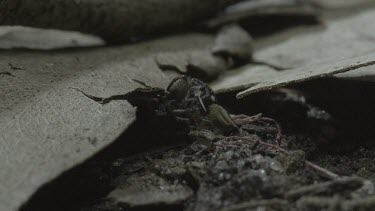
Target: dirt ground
{"x": 176, "y": 173}
{"x": 326, "y": 161}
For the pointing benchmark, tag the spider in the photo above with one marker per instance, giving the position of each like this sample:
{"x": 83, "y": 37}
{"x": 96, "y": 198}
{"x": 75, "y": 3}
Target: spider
{"x": 186, "y": 99}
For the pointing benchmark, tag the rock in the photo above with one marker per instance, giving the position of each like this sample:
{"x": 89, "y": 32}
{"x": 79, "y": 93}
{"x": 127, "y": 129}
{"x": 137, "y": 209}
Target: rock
{"x": 339, "y": 186}
{"x": 150, "y": 191}
{"x": 234, "y": 42}
{"x": 205, "y": 66}
{"x": 272, "y": 204}
{"x": 363, "y": 172}
{"x": 292, "y": 161}
{"x": 268, "y": 164}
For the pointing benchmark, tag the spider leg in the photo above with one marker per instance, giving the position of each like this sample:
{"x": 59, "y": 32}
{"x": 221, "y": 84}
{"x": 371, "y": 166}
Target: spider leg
{"x": 102, "y": 100}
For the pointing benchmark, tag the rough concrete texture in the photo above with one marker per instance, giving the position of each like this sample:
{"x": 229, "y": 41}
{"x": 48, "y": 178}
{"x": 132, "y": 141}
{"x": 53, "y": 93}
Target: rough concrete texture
{"x": 46, "y": 127}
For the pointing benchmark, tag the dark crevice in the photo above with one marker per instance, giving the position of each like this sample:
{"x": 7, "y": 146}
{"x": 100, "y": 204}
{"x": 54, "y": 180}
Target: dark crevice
{"x": 7, "y": 73}
{"x": 349, "y": 102}
{"x": 91, "y": 180}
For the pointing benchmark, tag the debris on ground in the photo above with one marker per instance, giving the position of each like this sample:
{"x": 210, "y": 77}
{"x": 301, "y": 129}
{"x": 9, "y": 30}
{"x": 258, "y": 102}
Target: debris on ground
{"x": 233, "y": 42}
{"x": 286, "y": 122}
{"x": 298, "y": 75}
{"x": 313, "y": 62}
{"x": 223, "y": 158}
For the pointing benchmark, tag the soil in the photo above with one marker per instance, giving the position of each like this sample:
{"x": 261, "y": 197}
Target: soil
{"x": 157, "y": 170}
{"x": 326, "y": 122}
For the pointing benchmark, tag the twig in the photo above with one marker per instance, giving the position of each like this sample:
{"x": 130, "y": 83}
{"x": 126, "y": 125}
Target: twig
{"x": 257, "y": 141}
{"x": 226, "y": 145}
{"x": 324, "y": 172}
{"x": 238, "y": 116}
{"x": 242, "y": 119}
{"x": 321, "y": 171}
{"x": 256, "y": 144}
{"x": 245, "y": 118}
{"x": 279, "y": 131}
{"x": 346, "y": 184}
